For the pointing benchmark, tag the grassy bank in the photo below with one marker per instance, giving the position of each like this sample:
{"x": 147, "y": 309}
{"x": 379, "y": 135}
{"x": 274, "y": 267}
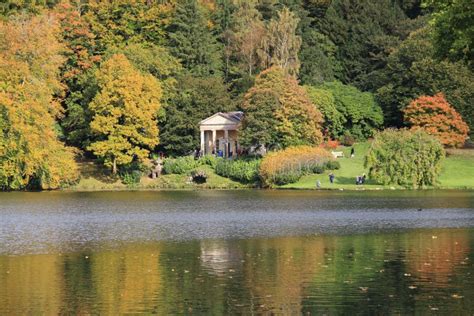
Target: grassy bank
{"x": 457, "y": 173}
{"x": 96, "y": 178}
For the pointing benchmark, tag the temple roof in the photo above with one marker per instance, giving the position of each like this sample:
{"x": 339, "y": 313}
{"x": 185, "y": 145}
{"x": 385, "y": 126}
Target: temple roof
{"x": 233, "y": 117}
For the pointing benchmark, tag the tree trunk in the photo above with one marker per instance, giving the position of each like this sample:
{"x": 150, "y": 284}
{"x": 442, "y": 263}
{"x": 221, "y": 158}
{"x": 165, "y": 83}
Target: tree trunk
{"x": 114, "y": 166}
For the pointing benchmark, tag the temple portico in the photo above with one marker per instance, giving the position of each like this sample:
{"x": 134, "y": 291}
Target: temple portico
{"x": 219, "y": 134}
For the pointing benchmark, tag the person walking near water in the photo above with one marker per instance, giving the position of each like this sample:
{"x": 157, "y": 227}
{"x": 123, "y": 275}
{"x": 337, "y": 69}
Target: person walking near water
{"x": 331, "y": 177}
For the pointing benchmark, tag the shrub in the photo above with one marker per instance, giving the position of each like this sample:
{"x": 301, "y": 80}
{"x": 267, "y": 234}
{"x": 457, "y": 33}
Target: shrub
{"x": 436, "y": 116}
{"x": 347, "y": 139}
{"x": 287, "y": 166}
{"x": 181, "y": 165}
{"x": 333, "y": 165}
{"x": 405, "y": 157}
{"x": 239, "y": 170}
{"x": 131, "y": 179}
{"x": 130, "y": 174}
{"x": 209, "y": 160}
{"x": 318, "y": 169}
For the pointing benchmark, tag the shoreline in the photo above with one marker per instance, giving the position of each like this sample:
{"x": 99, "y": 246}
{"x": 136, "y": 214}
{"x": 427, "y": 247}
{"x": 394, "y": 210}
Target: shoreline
{"x": 255, "y": 189}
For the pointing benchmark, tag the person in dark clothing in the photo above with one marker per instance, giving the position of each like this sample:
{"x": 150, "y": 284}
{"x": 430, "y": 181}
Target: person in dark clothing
{"x": 352, "y": 152}
{"x": 331, "y": 177}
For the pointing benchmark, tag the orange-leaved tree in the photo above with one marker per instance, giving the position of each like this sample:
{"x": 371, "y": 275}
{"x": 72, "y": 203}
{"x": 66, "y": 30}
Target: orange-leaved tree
{"x": 437, "y": 117}
{"x": 279, "y": 113}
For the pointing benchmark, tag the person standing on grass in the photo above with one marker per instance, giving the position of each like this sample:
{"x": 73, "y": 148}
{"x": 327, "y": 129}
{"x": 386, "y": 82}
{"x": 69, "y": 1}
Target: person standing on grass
{"x": 331, "y": 177}
{"x": 352, "y": 152}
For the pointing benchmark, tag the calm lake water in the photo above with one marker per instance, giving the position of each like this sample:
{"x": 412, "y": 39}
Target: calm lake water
{"x": 237, "y": 252}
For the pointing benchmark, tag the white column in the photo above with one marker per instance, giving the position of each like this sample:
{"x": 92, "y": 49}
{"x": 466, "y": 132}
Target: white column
{"x": 226, "y": 137}
{"x": 202, "y": 143}
{"x": 213, "y": 146}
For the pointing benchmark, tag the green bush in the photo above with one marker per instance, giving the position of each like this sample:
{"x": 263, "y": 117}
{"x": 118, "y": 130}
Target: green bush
{"x": 332, "y": 165}
{"x": 181, "y": 165}
{"x": 245, "y": 171}
{"x": 318, "y": 169}
{"x": 131, "y": 179}
{"x": 208, "y": 160}
{"x": 405, "y": 157}
{"x": 290, "y": 176}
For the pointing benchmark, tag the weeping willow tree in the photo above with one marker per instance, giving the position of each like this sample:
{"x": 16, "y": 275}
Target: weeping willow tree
{"x": 405, "y": 157}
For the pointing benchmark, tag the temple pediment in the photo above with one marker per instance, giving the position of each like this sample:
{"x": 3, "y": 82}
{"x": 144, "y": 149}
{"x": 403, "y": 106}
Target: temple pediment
{"x": 227, "y": 118}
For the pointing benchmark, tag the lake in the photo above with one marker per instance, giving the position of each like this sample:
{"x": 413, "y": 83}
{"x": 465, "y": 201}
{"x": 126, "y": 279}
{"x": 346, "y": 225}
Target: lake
{"x": 237, "y": 252}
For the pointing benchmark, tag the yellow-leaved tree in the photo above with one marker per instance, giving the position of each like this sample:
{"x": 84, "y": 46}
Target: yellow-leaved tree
{"x": 31, "y": 156}
{"x": 124, "y": 113}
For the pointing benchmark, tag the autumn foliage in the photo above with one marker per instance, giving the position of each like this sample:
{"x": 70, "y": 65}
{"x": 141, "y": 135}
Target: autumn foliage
{"x": 31, "y": 156}
{"x": 124, "y": 113}
{"x": 279, "y": 113}
{"x": 436, "y": 116}
{"x": 287, "y": 166}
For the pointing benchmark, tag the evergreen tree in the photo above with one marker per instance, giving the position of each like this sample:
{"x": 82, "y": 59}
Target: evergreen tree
{"x": 197, "y": 98}
{"x": 364, "y": 31}
{"x": 192, "y": 42}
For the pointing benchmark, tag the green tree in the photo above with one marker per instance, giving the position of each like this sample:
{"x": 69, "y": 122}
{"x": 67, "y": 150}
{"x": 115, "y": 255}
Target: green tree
{"x": 192, "y": 42}
{"x": 124, "y": 113}
{"x": 453, "y": 23}
{"x": 242, "y": 39}
{"x": 77, "y": 73}
{"x": 404, "y": 157}
{"x": 278, "y": 113}
{"x": 361, "y": 115}
{"x": 412, "y": 71}
{"x": 197, "y": 98}
{"x": 325, "y": 102}
{"x": 318, "y": 53}
{"x": 364, "y": 32}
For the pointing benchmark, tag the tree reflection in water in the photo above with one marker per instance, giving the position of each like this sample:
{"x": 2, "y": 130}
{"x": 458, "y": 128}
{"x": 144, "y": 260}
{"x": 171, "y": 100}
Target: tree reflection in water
{"x": 407, "y": 272}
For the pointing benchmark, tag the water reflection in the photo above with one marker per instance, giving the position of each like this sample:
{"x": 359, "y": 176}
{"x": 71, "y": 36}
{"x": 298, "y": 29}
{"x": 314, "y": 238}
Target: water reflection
{"x": 411, "y": 272}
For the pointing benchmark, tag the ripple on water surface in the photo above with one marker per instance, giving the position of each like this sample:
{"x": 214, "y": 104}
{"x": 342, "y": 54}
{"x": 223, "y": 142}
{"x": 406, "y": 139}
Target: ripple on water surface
{"x": 38, "y": 223}
{"x": 243, "y": 252}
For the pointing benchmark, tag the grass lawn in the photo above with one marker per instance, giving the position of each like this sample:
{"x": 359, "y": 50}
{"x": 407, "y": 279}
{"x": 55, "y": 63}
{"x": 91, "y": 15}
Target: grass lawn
{"x": 97, "y": 178}
{"x": 457, "y": 172}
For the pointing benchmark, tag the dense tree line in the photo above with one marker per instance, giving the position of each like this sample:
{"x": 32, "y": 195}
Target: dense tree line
{"x": 120, "y": 79}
